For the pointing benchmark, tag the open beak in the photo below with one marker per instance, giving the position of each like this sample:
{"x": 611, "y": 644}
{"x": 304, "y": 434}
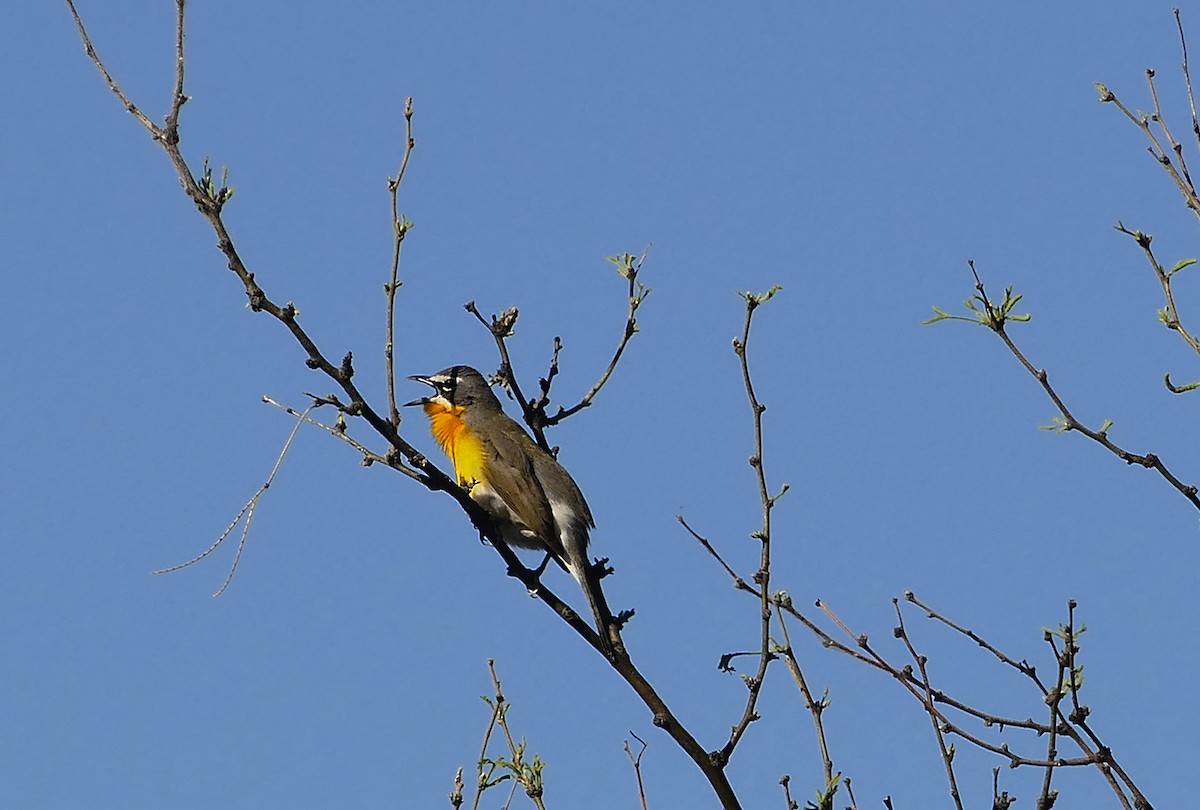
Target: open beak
{"x": 421, "y": 400}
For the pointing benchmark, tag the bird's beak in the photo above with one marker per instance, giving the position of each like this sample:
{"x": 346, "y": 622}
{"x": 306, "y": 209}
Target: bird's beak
{"x": 421, "y": 400}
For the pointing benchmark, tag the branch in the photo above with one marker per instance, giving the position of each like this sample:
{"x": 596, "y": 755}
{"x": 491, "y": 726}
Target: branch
{"x": 762, "y": 576}
{"x": 533, "y": 411}
{"x": 628, "y": 268}
{"x": 815, "y": 708}
{"x": 1169, "y": 314}
{"x": 1165, "y": 158}
{"x": 947, "y": 752}
{"x": 400, "y": 227}
{"x": 994, "y": 316}
{"x": 155, "y": 132}
{"x": 501, "y": 328}
{"x": 636, "y": 762}
{"x": 247, "y": 511}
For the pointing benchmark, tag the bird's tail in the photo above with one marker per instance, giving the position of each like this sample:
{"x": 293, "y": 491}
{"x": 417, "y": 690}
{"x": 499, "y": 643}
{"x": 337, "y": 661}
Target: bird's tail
{"x": 586, "y": 575}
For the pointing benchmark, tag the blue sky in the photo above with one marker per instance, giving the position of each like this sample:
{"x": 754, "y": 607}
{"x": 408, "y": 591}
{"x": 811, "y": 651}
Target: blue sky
{"x": 857, "y": 155}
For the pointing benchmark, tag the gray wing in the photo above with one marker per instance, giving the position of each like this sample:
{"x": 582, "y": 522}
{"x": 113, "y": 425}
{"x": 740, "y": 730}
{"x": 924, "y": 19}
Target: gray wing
{"x": 513, "y": 476}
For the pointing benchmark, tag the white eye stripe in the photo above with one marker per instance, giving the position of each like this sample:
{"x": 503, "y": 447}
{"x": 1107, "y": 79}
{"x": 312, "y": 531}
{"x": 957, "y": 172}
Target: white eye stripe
{"x": 445, "y": 385}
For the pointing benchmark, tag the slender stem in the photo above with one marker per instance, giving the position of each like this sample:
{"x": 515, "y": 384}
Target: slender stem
{"x": 399, "y": 231}
{"x": 1069, "y": 422}
{"x": 1187, "y": 76}
{"x": 636, "y": 297}
{"x": 636, "y": 762}
{"x": 814, "y": 708}
{"x": 129, "y": 106}
{"x": 762, "y": 577}
{"x": 947, "y": 752}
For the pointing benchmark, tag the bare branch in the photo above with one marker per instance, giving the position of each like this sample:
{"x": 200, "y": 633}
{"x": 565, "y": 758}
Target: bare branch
{"x": 130, "y": 107}
{"x": 947, "y": 752}
{"x": 629, "y": 269}
{"x": 1169, "y": 314}
{"x": 400, "y": 226}
{"x": 636, "y": 762}
{"x": 1187, "y": 76}
{"x": 1161, "y": 154}
{"x": 788, "y": 802}
{"x": 762, "y": 577}
{"x": 815, "y": 708}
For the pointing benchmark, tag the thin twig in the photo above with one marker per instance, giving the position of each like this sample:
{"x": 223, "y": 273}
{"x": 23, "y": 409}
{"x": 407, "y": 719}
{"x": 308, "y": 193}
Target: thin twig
{"x": 483, "y": 778}
{"x": 527, "y": 775}
{"x": 1069, "y": 422}
{"x": 338, "y": 431}
{"x": 1176, "y": 146}
{"x": 1156, "y": 149}
{"x": 850, "y": 793}
{"x": 1170, "y": 312}
{"x": 638, "y": 292}
{"x": 1048, "y": 795}
{"x": 1002, "y": 801}
{"x": 636, "y": 762}
{"x": 815, "y": 709}
{"x": 400, "y": 226}
{"x": 918, "y": 689}
{"x": 129, "y": 106}
{"x": 247, "y": 510}
{"x": 789, "y": 803}
{"x": 762, "y": 577}
{"x": 501, "y": 328}
{"x": 1021, "y": 666}
{"x": 178, "y": 99}
{"x": 1187, "y": 76}
{"x": 947, "y": 752}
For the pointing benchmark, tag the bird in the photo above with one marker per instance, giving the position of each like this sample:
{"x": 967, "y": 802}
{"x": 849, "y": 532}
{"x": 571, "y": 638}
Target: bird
{"x": 531, "y": 498}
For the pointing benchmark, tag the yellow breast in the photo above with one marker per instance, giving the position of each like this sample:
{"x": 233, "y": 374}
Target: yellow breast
{"x": 457, "y": 441}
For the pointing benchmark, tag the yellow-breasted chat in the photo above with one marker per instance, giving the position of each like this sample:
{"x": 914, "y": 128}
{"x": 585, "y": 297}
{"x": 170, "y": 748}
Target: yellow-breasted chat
{"x": 530, "y": 497}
